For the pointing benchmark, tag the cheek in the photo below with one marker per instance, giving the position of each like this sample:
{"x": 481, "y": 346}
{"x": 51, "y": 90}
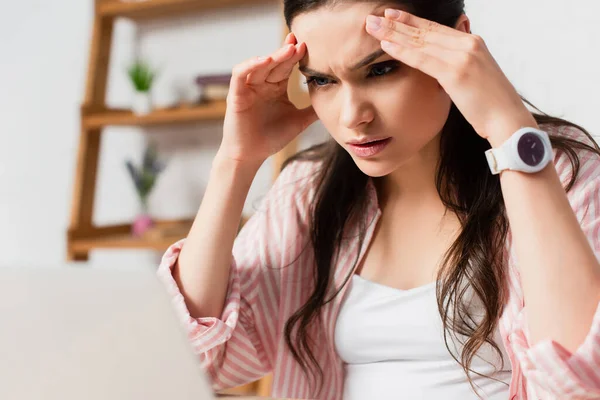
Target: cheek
{"x": 421, "y": 104}
{"x": 326, "y": 109}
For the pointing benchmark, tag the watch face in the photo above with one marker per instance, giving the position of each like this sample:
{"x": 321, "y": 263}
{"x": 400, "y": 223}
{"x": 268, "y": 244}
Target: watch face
{"x": 531, "y": 149}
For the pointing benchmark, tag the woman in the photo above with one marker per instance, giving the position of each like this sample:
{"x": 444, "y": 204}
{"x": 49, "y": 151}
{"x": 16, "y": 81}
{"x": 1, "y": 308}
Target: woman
{"x": 399, "y": 268}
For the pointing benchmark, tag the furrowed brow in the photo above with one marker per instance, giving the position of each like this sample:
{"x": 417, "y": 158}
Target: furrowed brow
{"x": 365, "y": 61}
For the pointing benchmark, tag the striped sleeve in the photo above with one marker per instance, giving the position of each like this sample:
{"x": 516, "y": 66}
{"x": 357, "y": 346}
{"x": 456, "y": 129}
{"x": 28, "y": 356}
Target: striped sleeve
{"x": 547, "y": 365}
{"x": 240, "y": 346}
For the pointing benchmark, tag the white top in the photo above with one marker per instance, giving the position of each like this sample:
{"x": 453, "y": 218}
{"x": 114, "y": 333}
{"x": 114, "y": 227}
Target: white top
{"x": 392, "y": 343}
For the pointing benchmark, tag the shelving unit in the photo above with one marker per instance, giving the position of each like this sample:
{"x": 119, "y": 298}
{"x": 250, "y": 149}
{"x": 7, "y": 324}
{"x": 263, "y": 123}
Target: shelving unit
{"x": 83, "y": 236}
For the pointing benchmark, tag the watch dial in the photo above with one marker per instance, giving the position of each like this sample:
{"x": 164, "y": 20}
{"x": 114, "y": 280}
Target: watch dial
{"x": 531, "y": 149}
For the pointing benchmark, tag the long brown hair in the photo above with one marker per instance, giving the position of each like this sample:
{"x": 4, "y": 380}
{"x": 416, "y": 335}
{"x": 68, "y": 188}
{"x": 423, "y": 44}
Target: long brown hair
{"x": 465, "y": 186}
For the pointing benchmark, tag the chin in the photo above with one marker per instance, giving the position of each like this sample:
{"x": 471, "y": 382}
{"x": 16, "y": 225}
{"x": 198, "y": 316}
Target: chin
{"x": 375, "y": 168}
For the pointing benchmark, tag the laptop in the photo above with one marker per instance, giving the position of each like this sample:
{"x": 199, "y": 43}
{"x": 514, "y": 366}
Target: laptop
{"x": 83, "y": 333}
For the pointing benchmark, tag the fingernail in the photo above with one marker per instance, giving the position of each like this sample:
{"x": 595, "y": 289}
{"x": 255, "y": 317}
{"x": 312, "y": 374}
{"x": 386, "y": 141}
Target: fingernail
{"x": 260, "y": 58}
{"x": 392, "y": 13}
{"x": 373, "y": 23}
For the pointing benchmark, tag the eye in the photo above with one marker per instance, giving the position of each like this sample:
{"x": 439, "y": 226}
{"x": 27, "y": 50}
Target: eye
{"x": 383, "y": 68}
{"x": 377, "y": 70}
{"x": 317, "y": 81}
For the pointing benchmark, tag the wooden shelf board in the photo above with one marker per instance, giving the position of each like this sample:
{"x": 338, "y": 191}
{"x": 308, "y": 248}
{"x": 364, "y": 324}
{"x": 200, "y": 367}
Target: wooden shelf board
{"x": 119, "y": 236}
{"x": 122, "y": 242}
{"x": 214, "y": 110}
{"x": 164, "y": 234}
{"x": 150, "y": 9}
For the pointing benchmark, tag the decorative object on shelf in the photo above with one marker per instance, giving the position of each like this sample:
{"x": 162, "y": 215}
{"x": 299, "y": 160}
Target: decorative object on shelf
{"x": 141, "y": 76}
{"x": 186, "y": 91}
{"x": 144, "y": 179}
{"x": 213, "y": 87}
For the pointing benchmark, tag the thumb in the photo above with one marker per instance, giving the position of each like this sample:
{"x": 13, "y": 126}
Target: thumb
{"x": 307, "y": 116}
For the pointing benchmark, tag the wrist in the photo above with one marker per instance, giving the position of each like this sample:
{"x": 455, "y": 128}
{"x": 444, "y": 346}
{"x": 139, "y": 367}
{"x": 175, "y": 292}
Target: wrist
{"x": 230, "y": 168}
{"x": 229, "y": 183}
{"x": 503, "y": 131}
{"x": 236, "y": 164}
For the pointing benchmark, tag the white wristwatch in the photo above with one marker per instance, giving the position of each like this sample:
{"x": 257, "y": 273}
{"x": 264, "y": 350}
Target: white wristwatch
{"x": 528, "y": 150}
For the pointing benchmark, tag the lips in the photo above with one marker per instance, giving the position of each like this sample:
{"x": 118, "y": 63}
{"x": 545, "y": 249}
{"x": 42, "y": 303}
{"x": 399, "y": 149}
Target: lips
{"x": 370, "y": 148}
{"x": 367, "y": 142}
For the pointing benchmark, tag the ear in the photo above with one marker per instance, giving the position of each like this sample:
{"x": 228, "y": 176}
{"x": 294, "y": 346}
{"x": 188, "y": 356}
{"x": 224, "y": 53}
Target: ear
{"x": 463, "y": 24}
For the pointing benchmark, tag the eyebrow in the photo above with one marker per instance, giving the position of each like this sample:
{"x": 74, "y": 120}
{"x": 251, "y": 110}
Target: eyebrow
{"x": 365, "y": 61}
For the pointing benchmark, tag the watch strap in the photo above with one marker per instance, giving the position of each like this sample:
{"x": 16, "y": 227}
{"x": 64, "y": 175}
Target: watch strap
{"x": 498, "y": 159}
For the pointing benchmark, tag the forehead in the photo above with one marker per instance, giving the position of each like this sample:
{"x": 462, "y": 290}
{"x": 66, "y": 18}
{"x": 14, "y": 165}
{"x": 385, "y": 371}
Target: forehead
{"x": 336, "y": 35}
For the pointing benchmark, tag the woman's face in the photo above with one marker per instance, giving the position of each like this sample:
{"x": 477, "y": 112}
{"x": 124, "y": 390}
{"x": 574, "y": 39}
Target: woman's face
{"x": 381, "y": 99}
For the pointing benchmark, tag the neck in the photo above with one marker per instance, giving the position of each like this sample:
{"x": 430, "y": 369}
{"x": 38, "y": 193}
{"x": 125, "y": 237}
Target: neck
{"x": 412, "y": 185}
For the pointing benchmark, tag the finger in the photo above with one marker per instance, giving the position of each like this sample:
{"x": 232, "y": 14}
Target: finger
{"x": 417, "y": 53}
{"x": 426, "y": 59}
{"x": 241, "y": 71}
{"x": 290, "y": 39}
{"x": 283, "y": 71}
{"x": 259, "y": 75}
{"x": 421, "y": 23}
{"x": 304, "y": 117}
{"x": 431, "y": 32}
{"x": 397, "y": 32}
{"x": 309, "y": 116}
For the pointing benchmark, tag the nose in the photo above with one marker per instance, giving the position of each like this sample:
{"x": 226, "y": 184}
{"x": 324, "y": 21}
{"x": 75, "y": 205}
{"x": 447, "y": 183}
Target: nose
{"x": 356, "y": 110}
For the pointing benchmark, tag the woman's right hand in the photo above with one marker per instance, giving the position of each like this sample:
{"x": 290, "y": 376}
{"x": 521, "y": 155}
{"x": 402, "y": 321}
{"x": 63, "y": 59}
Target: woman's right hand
{"x": 260, "y": 120}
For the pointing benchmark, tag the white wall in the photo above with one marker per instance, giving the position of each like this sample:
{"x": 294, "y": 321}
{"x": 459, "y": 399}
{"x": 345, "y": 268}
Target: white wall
{"x": 549, "y": 50}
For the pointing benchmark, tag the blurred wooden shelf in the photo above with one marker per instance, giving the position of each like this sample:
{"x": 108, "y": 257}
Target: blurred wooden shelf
{"x": 164, "y": 234}
{"x": 213, "y": 110}
{"x": 149, "y": 9}
{"x": 122, "y": 241}
{"x": 159, "y": 238}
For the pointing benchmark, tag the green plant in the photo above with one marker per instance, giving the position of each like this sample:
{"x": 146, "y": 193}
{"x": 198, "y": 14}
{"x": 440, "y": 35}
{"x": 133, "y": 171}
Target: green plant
{"x": 144, "y": 176}
{"x": 141, "y": 75}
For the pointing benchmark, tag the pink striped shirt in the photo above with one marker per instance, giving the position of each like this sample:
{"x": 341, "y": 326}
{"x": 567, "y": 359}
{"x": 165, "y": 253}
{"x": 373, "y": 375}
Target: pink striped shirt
{"x": 247, "y": 342}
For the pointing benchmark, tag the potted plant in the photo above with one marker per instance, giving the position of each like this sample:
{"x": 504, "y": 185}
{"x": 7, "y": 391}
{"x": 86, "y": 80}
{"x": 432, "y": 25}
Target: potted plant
{"x": 141, "y": 76}
{"x": 144, "y": 178}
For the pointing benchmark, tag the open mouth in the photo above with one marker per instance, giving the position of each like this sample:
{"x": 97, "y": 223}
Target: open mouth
{"x": 373, "y": 143}
{"x": 370, "y": 149}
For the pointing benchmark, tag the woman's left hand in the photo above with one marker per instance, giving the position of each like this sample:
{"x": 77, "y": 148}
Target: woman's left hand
{"x": 462, "y": 65}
